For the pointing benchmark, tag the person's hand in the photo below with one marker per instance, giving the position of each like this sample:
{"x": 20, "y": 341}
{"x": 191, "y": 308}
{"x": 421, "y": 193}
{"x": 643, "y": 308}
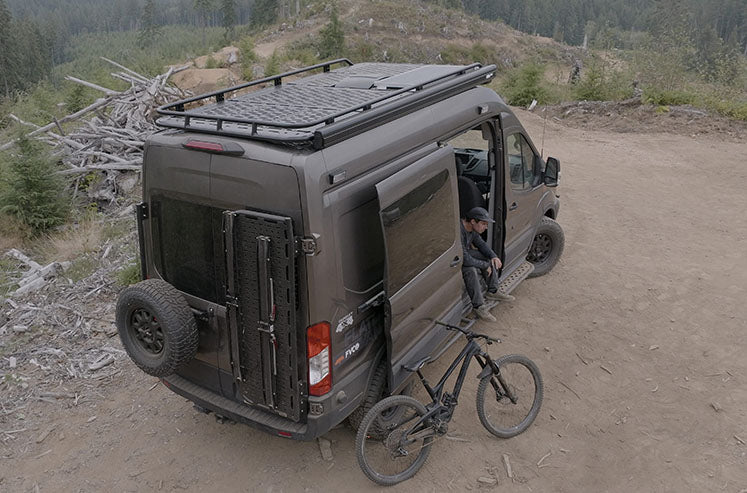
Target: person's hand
{"x": 496, "y": 262}
{"x": 489, "y": 271}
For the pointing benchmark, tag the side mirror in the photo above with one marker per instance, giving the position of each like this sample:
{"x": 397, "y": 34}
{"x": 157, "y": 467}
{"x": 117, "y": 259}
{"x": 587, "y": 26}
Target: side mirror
{"x": 552, "y": 171}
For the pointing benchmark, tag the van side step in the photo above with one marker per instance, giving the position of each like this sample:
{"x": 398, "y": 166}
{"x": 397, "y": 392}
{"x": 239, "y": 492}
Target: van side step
{"x": 515, "y": 278}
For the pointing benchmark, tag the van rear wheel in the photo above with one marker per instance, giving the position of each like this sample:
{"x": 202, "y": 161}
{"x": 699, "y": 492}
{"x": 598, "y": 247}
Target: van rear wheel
{"x": 156, "y": 327}
{"x": 376, "y": 391}
{"x": 547, "y": 247}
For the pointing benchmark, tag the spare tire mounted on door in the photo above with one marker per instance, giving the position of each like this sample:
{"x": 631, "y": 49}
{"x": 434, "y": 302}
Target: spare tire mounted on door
{"x": 156, "y": 327}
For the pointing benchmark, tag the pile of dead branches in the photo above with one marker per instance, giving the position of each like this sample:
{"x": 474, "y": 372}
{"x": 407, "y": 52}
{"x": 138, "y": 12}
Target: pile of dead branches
{"x": 57, "y": 331}
{"x": 112, "y": 139}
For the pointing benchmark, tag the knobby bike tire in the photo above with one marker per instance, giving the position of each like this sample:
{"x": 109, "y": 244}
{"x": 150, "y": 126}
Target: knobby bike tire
{"x": 372, "y": 444}
{"x": 497, "y": 413}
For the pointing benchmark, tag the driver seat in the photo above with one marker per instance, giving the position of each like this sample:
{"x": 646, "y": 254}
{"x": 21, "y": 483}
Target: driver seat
{"x": 469, "y": 196}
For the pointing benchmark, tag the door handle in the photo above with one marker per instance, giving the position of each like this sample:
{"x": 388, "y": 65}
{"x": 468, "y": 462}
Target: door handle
{"x": 455, "y": 262}
{"x": 513, "y": 206}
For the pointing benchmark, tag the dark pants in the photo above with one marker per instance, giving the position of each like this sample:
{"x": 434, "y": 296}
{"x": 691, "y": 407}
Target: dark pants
{"x": 472, "y": 277}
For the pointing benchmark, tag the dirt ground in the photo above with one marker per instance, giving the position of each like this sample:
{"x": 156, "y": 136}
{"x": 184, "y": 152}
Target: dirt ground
{"x": 639, "y": 333}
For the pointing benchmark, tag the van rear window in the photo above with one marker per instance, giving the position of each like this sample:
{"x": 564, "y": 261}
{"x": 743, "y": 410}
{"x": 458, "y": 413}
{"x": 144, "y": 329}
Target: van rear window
{"x": 188, "y": 248}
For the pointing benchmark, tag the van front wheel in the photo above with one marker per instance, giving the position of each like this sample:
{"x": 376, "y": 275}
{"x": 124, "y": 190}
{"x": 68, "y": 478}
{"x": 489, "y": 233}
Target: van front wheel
{"x": 547, "y": 247}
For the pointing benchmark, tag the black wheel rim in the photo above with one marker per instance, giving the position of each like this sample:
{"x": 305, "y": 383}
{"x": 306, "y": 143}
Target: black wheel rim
{"x": 541, "y": 249}
{"x": 147, "y": 331}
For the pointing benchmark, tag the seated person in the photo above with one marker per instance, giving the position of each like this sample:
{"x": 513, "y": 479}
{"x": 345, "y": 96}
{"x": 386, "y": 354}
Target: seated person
{"x": 480, "y": 260}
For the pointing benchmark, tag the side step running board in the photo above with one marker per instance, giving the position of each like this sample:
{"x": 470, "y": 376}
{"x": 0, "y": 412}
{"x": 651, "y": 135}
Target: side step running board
{"x": 515, "y": 278}
{"x": 512, "y": 280}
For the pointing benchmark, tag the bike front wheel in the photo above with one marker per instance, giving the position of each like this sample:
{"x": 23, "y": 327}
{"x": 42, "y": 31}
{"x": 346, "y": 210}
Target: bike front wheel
{"x": 508, "y": 401}
{"x": 391, "y": 446}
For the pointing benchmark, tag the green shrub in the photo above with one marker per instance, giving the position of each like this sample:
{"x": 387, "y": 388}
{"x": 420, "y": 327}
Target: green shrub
{"x": 664, "y": 97}
{"x": 272, "y": 65}
{"x": 362, "y": 51}
{"x": 211, "y": 62}
{"x": 31, "y": 190}
{"x": 728, "y": 106}
{"x": 523, "y": 84}
{"x": 301, "y": 53}
{"x": 454, "y": 54}
{"x": 76, "y": 99}
{"x": 246, "y": 50}
{"x": 130, "y": 274}
{"x": 600, "y": 82}
{"x": 483, "y": 54}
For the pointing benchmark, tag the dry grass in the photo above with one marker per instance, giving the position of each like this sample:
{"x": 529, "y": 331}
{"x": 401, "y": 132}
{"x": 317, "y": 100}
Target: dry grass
{"x": 12, "y": 233}
{"x": 72, "y": 242}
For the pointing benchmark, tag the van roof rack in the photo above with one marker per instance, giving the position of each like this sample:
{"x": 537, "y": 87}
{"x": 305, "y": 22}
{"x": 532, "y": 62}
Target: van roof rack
{"x": 324, "y": 108}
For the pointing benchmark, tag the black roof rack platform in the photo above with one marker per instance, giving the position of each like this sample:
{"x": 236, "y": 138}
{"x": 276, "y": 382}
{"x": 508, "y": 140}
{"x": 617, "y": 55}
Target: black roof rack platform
{"x": 324, "y": 108}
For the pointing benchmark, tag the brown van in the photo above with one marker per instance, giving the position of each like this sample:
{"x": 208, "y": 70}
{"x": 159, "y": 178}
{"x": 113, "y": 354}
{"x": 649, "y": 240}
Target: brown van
{"x": 299, "y": 235}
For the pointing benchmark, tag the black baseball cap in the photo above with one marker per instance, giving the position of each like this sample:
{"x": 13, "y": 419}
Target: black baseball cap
{"x": 479, "y": 214}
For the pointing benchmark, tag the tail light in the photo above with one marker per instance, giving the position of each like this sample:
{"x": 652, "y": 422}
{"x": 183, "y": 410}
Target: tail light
{"x": 318, "y": 352}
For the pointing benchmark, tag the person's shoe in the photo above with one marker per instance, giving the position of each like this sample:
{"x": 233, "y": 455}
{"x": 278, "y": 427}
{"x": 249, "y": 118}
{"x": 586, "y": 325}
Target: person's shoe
{"x": 498, "y": 296}
{"x": 483, "y": 313}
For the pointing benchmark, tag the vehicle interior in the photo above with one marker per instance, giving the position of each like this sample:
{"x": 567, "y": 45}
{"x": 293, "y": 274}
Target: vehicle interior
{"x": 473, "y": 164}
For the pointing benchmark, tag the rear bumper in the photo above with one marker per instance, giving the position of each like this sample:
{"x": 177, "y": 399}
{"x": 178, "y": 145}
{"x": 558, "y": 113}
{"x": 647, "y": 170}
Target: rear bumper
{"x": 270, "y": 423}
{"x": 335, "y": 408}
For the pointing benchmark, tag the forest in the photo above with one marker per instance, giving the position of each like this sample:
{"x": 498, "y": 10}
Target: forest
{"x": 710, "y": 36}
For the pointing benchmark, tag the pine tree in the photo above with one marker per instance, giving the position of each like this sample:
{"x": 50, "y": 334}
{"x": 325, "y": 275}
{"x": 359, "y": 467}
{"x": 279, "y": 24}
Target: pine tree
{"x": 264, "y": 12}
{"x": 203, "y": 8}
{"x": 228, "y": 9}
{"x": 149, "y": 30}
{"x": 7, "y": 48}
{"x": 332, "y": 37}
{"x": 33, "y": 192}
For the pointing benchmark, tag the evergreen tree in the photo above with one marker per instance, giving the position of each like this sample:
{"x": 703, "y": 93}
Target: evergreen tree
{"x": 332, "y": 38}
{"x": 149, "y": 30}
{"x": 228, "y": 9}
{"x": 6, "y": 50}
{"x": 203, "y": 8}
{"x": 264, "y": 12}
{"x": 32, "y": 191}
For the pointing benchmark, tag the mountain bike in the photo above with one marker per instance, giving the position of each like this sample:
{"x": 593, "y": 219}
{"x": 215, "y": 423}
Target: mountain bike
{"x": 395, "y": 437}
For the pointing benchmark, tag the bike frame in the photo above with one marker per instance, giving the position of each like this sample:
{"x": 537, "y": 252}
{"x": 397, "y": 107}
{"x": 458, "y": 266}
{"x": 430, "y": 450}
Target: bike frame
{"x": 472, "y": 349}
{"x": 443, "y": 405}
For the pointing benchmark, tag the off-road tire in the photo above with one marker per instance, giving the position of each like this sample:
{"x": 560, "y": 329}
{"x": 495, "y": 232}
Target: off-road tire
{"x": 364, "y": 438}
{"x": 375, "y": 392}
{"x": 547, "y": 247}
{"x": 531, "y": 395}
{"x": 156, "y": 327}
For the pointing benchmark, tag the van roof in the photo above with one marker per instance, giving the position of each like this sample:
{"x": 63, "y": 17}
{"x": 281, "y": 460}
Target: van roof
{"x": 322, "y": 108}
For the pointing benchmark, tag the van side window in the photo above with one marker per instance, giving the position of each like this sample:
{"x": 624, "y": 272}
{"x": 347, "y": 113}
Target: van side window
{"x": 520, "y": 162}
{"x": 418, "y": 228}
{"x": 363, "y": 255}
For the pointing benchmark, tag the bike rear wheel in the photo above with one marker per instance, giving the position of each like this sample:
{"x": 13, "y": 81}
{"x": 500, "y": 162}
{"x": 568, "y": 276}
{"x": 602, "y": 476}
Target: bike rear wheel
{"x": 385, "y": 453}
{"x": 508, "y": 401}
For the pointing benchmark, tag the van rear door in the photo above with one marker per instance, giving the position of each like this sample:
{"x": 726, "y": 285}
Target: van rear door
{"x": 422, "y": 281}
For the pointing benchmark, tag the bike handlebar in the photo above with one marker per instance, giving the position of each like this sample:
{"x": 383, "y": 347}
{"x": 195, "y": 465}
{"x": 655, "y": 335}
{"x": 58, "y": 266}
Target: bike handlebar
{"x": 468, "y": 333}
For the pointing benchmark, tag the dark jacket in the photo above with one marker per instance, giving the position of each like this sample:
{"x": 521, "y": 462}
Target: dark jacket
{"x": 471, "y": 244}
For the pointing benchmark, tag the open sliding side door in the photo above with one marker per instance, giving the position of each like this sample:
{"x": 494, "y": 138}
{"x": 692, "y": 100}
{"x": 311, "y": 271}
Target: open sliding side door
{"x": 419, "y": 214}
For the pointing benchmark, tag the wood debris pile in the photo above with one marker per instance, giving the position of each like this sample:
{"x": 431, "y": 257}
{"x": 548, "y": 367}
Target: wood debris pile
{"x": 112, "y": 139}
{"x": 58, "y": 339}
